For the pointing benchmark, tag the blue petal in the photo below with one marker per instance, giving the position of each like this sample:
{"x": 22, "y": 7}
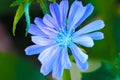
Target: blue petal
{"x": 54, "y": 9}
{"x": 34, "y": 49}
{"x": 39, "y": 22}
{"x": 93, "y": 26}
{"x": 88, "y": 11}
{"x": 58, "y": 68}
{"x": 49, "y": 21}
{"x": 65, "y": 59}
{"x": 76, "y": 12}
{"x": 35, "y": 30}
{"x": 63, "y": 11}
{"x": 78, "y": 54}
{"x": 96, "y": 35}
{"x": 84, "y": 40}
{"x": 82, "y": 66}
{"x": 61, "y": 63}
{"x": 42, "y": 41}
{"x": 48, "y": 53}
{"x": 48, "y": 57}
{"x": 47, "y": 30}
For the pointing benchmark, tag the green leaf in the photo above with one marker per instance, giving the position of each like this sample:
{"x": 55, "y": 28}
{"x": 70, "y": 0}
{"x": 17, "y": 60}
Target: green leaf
{"x": 17, "y": 2}
{"x": 44, "y": 6}
{"x": 18, "y": 15}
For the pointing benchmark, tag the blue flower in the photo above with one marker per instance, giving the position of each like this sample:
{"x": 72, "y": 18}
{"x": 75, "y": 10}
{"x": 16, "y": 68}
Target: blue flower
{"x": 56, "y": 33}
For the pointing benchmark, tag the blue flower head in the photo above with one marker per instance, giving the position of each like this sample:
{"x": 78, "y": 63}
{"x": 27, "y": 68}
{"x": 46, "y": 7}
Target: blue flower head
{"x": 55, "y": 33}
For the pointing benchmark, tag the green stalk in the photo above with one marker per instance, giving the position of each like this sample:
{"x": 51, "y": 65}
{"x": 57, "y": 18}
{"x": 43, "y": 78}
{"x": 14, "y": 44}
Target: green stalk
{"x": 27, "y": 16}
{"x": 66, "y": 75}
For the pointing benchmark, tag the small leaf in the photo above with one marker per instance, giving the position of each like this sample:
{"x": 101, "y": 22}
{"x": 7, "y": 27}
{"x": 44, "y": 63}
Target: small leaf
{"x": 15, "y": 3}
{"x": 18, "y": 15}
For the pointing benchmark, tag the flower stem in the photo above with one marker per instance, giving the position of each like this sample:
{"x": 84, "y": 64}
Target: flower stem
{"x": 66, "y": 75}
{"x": 27, "y": 16}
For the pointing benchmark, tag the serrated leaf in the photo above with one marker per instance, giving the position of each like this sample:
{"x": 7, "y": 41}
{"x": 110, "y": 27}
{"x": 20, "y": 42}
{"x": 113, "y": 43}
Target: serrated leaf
{"x": 17, "y": 17}
{"x": 17, "y": 2}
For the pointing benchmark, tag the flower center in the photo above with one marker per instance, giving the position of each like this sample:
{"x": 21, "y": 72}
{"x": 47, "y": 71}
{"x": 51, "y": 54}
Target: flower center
{"x": 64, "y": 39}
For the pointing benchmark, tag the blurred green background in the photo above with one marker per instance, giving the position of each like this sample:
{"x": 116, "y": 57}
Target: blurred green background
{"x": 104, "y": 57}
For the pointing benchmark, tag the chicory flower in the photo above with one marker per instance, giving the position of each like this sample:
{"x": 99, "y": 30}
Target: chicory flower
{"x": 56, "y": 33}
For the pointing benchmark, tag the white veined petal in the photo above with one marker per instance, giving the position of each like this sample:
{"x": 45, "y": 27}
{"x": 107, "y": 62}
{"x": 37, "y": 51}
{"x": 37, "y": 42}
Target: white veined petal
{"x": 35, "y": 30}
{"x": 80, "y": 57}
{"x": 84, "y": 40}
{"x": 58, "y": 67}
{"x": 63, "y": 12}
{"x": 61, "y": 63}
{"x": 48, "y": 53}
{"x": 49, "y": 21}
{"x": 42, "y": 41}
{"x": 88, "y": 10}
{"x": 35, "y": 49}
{"x": 96, "y": 35}
{"x": 65, "y": 58}
{"x": 78, "y": 54}
{"x": 39, "y": 22}
{"x": 47, "y": 30}
{"x": 81, "y": 66}
{"x": 54, "y": 9}
{"x": 48, "y": 58}
{"x": 77, "y": 10}
{"x": 93, "y": 26}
